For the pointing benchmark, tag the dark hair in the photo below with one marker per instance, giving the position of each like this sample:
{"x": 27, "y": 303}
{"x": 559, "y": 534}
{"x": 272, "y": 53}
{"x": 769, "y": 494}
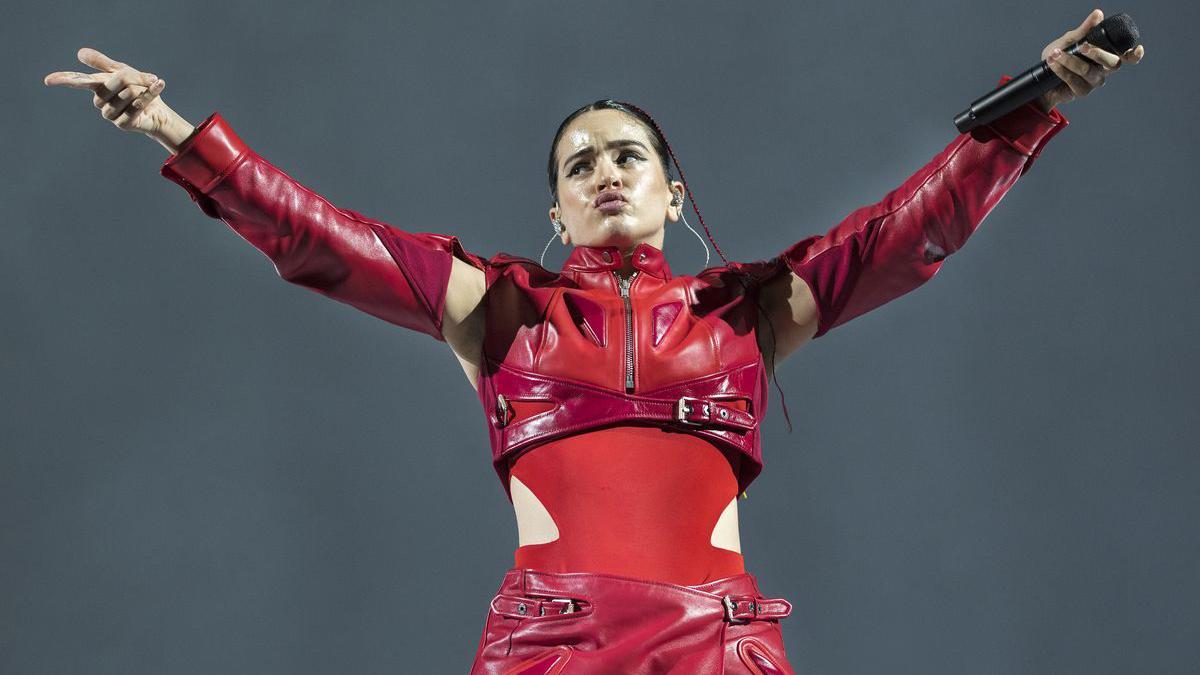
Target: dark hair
{"x": 659, "y": 140}
{"x": 656, "y": 137}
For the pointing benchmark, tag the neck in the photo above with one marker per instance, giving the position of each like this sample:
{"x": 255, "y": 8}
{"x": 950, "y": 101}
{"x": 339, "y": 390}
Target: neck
{"x": 627, "y": 268}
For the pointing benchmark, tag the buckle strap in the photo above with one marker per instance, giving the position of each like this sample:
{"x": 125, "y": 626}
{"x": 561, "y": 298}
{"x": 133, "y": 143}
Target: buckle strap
{"x": 517, "y": 607}
{"x": 753, "y": 608}
{"x": 687, "y": 410}
{"x": 707, "y": 412}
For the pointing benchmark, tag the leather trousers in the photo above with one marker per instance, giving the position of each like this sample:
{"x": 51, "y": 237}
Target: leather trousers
{"x": 576, "y": 623}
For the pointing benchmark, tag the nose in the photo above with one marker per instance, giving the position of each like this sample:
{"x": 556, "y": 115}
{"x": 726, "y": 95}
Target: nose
{"x": 607, "y": 176}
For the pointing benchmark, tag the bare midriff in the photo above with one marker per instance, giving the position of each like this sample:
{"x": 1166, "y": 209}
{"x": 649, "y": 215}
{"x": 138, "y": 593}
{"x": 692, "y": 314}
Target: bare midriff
{"x": 637, "y": 501}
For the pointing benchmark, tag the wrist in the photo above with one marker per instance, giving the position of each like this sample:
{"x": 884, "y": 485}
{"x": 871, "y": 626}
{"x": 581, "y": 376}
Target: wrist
{"x": 173, "y": 134}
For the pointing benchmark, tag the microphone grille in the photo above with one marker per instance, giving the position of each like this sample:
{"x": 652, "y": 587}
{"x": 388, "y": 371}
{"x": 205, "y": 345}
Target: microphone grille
{"x": 1117, "y": 34}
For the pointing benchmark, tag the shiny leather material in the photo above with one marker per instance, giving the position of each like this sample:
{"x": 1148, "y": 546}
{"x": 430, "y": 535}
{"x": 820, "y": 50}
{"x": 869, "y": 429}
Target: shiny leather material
{"x": 573, "y": 353}
{"x": 395, "y": 275}
{"x": 569, "y": 339}
{"x": 882, "y": 251}
{"x": 630, "y": 626}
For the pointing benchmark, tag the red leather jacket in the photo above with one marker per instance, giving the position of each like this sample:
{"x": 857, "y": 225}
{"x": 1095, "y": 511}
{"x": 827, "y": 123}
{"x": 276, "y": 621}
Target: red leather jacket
{"x": 575, "y": 350}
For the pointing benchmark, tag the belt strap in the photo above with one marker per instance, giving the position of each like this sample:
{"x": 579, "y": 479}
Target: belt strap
{"x": 708, "y": 412}
{"x": 738, "y": 608}
{"x": 688, "y": 410}
{"x": 752, "y": 608}
{"x": 521, "y": 607}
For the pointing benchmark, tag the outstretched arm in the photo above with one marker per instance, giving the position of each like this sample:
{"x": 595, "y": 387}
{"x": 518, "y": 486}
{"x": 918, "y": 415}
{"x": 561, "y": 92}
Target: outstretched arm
{"x": 885, "y": 250}
{"x": 409, "y": 279}
{"x": 882, "y": 251}
{"x": 421, "y": 281}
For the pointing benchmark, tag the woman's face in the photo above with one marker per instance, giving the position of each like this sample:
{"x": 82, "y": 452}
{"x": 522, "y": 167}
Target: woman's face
{"x": 600, "y": 153}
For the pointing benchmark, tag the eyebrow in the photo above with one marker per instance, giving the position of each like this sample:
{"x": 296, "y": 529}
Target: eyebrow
{"x": 611, "y": 146}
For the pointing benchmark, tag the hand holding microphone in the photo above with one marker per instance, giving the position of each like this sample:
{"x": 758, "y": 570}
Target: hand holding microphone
{"x": 1072, "y": 67}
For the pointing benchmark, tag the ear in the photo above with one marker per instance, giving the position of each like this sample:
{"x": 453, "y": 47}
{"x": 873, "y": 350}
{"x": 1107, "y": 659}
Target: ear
{"x": 553, "y": 212}
{"x": 675, "y": 212}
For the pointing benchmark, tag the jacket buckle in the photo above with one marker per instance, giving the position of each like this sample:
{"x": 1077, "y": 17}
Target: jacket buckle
{"x": 502, "y": 410}
{"x": 692, "y": 410}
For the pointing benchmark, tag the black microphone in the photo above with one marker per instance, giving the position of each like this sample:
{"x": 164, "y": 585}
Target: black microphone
{"x": 1116, "y": 34}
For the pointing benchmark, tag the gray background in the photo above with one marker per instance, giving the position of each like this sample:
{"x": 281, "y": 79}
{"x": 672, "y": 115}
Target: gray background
{"x": 208, "y": 470}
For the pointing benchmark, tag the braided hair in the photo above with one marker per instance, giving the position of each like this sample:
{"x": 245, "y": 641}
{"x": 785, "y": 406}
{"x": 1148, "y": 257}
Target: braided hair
{"x": 659, "y": 140}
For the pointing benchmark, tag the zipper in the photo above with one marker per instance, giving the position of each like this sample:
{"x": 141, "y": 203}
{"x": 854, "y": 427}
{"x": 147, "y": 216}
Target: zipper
{"x": 624, "y": 285}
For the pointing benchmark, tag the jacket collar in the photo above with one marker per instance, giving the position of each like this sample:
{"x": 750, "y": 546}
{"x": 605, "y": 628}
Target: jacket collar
{"x": 605, "y": 259}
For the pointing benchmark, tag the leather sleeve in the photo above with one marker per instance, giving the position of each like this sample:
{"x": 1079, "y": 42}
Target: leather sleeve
{"x": 398, "y": 276}
{"x": 882, "y": 251}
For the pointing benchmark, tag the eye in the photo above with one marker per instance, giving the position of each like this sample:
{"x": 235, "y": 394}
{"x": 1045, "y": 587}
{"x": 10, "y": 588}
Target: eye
{"x": 628, "y": 153}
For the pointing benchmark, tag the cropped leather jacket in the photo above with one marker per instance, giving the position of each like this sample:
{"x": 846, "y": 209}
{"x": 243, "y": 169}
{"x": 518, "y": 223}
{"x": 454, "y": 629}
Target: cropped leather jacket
{"x": 579, "y": 348}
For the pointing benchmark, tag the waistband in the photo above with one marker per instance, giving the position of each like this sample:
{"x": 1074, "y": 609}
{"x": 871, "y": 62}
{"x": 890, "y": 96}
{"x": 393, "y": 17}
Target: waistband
{"x": 526, "y": 593}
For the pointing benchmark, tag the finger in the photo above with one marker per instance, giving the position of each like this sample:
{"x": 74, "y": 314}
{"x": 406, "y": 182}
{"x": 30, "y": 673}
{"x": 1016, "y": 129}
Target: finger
{"x": 113, "y": 84}
{"x": 118, "y": 104}
{"x": 131, "y": 84}
{"x": 99, "y": 61}
{"x": 1133, "y": 55}
{"x": 122, "y": 83}
{"x": 1091, "y": 73}
{"x": 1077, "y": 85}
{"x": 1089, "y": 23}
{"x": 74, "y": 80}
{"x": 1101, "y": 57}
{"x": 137, "y": 105}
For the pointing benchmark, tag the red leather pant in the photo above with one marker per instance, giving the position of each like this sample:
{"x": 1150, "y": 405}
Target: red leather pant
{"x": 546, "y": 623}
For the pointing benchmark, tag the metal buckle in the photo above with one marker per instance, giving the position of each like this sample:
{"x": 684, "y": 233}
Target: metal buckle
{"x": 687, "y": 404}
{"x": 502, "y": 410}
{"x": 568, "y": 607}
{"x": 730, "y": 606}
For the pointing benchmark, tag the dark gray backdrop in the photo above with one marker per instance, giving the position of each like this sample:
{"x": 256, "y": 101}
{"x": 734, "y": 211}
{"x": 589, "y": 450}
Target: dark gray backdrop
{"x": 208, "y": 470}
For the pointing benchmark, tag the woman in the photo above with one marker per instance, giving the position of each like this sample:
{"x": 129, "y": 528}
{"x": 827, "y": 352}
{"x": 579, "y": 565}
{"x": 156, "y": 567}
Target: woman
{"x": 641, "y": 391}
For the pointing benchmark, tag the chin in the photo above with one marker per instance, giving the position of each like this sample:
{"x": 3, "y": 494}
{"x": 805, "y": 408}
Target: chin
{"x": 618, "y": 230}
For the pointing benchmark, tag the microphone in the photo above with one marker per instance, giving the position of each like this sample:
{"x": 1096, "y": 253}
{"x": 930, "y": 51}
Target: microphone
{"x": 1116, "y": 34}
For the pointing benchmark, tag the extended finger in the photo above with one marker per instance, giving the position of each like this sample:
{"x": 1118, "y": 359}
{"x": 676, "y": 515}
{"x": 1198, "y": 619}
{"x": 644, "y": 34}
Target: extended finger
{"x": 139, "y": 104}
{"x": 1106, "y": 59}
{"x": 74, "y": 80}
{"x": 95, "y": 59}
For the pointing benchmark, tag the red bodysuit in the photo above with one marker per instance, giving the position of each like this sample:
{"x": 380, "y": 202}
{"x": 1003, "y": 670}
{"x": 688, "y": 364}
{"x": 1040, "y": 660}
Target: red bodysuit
{"x": 634, "y": 501}
{"x": 631, "y": 413}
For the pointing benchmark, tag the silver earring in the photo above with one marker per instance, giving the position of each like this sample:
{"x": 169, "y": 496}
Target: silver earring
{"x": 678, "y": 201}
{"x": 559, "y": 228}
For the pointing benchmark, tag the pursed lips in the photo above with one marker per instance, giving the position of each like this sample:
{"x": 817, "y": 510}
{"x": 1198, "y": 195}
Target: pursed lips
{"x": 607, "y": 197}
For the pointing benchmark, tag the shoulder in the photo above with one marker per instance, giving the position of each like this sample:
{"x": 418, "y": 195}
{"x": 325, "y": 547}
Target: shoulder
{"x": 747, "y": 274}
{"x": 530, "y": 272}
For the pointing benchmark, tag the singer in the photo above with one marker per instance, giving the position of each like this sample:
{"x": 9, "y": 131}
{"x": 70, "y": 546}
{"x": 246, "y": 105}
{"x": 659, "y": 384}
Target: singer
{"x": 622, "y": 401}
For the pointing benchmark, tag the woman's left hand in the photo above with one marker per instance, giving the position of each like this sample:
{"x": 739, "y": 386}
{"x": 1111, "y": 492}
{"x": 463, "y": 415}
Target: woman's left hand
{"x": 1079, "y": 77}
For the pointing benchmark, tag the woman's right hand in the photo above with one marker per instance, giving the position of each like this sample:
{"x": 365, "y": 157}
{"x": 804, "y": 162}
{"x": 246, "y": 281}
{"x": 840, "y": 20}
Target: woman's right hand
{"x": 127, "y": 97}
